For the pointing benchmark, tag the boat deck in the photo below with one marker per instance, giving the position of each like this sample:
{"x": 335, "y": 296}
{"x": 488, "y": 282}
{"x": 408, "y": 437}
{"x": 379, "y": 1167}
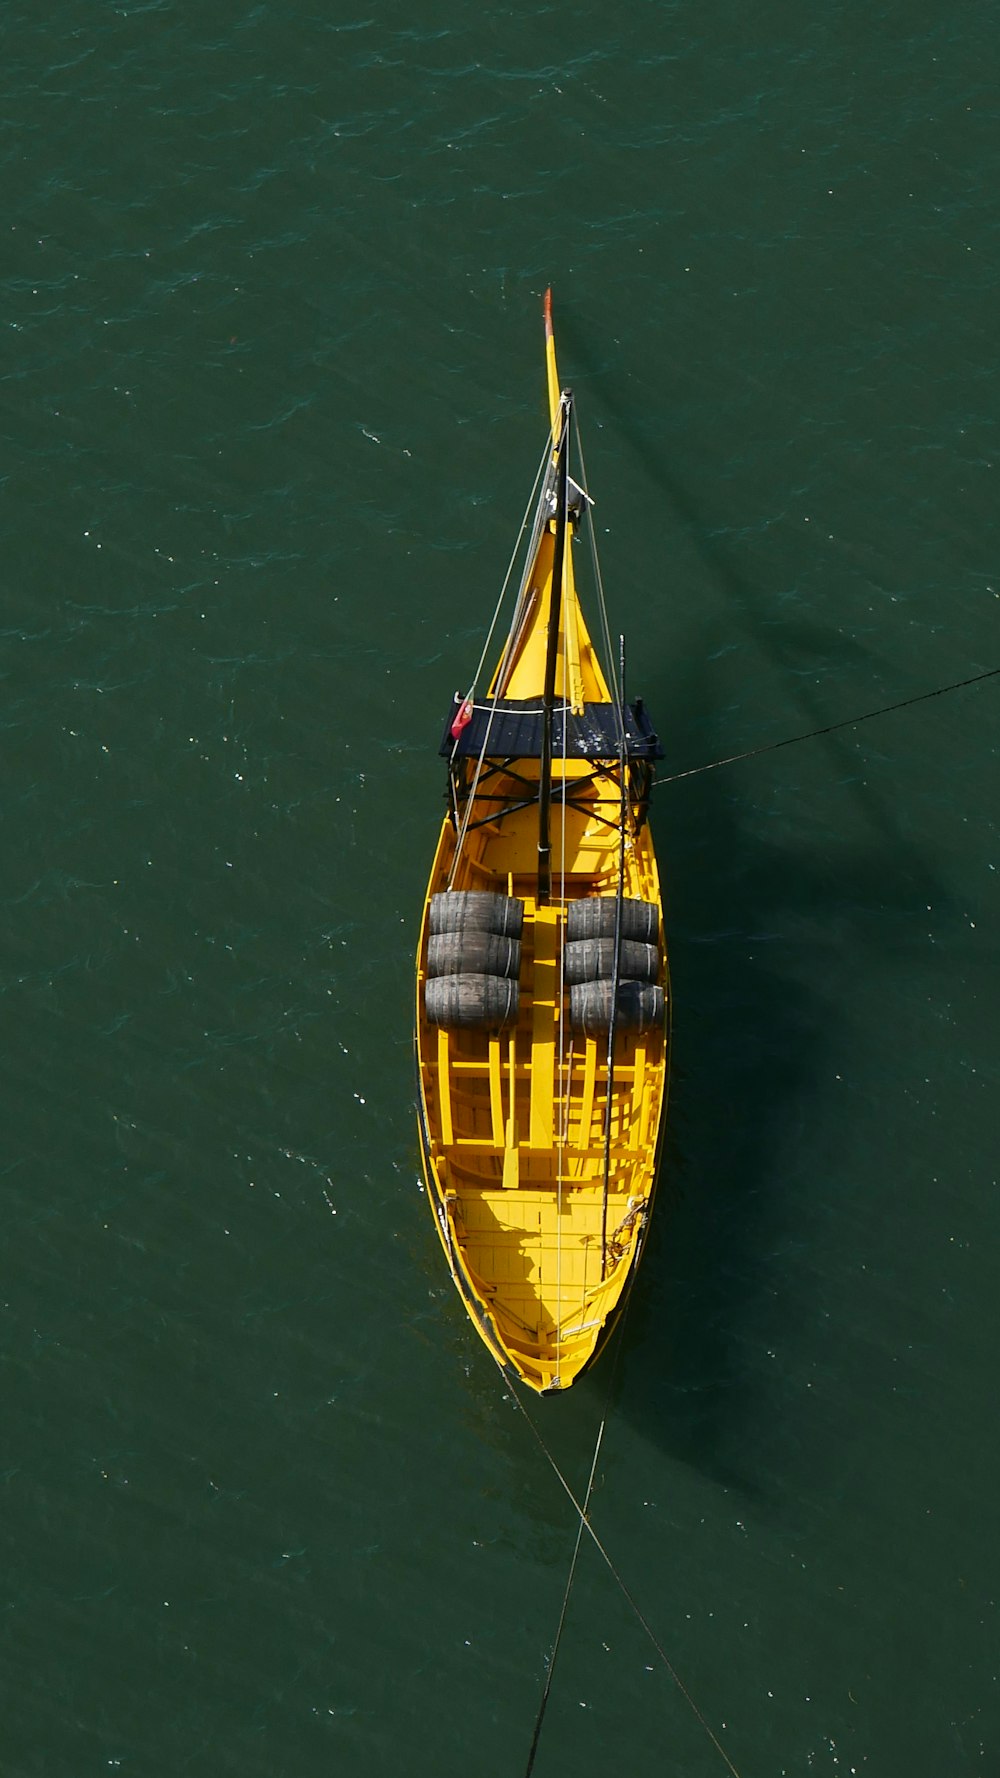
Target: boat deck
{"x": 538, "y": 1263}
{"x": 520, "y": 1150}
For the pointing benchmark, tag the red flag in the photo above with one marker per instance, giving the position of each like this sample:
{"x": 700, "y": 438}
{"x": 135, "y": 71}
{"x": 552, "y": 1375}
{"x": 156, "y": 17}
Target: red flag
{"x": 463, "y": 718}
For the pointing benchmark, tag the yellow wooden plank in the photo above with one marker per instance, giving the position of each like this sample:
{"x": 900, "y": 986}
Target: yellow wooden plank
{"x": 496, "y": 1097}
{"x": 444, "y": 1089}
{"x": 543, "y": 1021}
{"x": 511, "y": 1158}
{"x": 650, "y": 1100}
{"x": 589, "y": 1082}
{"x": 638, "y": 1095}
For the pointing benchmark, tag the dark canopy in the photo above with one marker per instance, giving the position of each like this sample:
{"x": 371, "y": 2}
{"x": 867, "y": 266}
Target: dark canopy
{"x": 516, "y": 732}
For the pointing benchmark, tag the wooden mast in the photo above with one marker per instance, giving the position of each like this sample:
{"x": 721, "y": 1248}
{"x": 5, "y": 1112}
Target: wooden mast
{"x": 551, "y": 656}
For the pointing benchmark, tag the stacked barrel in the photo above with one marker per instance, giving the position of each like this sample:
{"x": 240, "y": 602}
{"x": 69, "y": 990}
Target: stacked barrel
{"x": 473, "y": 959}
{"x": 589, "y": 965}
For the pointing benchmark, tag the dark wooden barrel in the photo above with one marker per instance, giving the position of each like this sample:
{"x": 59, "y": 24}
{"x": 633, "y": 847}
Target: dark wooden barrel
{"x": 462, "y": 1002}
{"x": 640, "y": 1007}
{"x": 594, "y": 917}
{"x": 479, "y": 910}
{"x": 473, "y": 952}
{"x": 593, "y": 960}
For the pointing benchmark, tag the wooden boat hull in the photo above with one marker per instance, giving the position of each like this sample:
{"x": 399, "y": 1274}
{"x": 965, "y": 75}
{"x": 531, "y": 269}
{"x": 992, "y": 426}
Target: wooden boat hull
{"x": 520, "y": 1221}
{"x": 540, "y": 1128}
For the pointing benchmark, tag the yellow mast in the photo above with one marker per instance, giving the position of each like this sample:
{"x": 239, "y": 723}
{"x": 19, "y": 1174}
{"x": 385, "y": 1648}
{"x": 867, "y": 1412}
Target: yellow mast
{"x": 550, "y": 361}
{"x": 572, "y": 687}
{"x": 579, "y": 676}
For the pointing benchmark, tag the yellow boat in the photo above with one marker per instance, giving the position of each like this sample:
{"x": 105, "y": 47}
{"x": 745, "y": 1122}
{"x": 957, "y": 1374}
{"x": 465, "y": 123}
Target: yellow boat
{"x": 542, "y": 995}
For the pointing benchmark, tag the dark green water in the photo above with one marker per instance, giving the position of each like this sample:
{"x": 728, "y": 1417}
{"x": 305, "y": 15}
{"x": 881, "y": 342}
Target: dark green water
{"x": 272, "y": 400}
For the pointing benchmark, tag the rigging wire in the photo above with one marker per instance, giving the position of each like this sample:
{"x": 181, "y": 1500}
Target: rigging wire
{"x": 571, "y": 1576}
{"x": 565, "y": 1075}
{"x": 617, "y": 687}
{"x": 555, "y": 619}
{"x": 599, "y": 582}
{"x": 585, "y": 1525}
{"x": 616, "y": 971}
{"x": 583, "y": 1511}
{"x": 508, "y": 652}
{"x": 831, "y": 727}
{"x": 539, "y": 472}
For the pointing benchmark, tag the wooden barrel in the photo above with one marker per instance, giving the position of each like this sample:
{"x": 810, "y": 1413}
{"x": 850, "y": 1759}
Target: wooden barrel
{"x": 473, "y": 952}
{"x": 640, "y": 1007}
{"x": 478, "y": 910}
{"x": 461, "y": 1002}
{"x": 594, "y": 917}
{"x": 593, "y": 960}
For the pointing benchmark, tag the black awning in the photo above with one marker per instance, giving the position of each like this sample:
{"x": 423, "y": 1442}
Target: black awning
{"x": 515, "y": 732}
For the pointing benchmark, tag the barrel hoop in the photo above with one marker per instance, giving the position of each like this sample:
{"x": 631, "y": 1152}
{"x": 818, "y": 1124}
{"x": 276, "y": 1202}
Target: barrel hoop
{"x": 640, "y": 1007}
{"x": 596, "y": 916}
{"x": 593, "y": 959}
{"x": 471, "y": 1002}
{"x": 481, "y": 910}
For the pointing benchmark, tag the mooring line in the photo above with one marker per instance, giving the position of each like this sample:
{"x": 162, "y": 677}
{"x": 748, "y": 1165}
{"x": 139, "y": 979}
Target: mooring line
{"x": 570, "y": 1578}
{"x": 582, "y": 1521}
{"x": 831, "y": 727}
{"x": 585, "y": 1525}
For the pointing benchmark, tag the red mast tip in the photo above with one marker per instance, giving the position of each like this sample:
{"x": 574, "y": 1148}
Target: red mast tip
{"x": 547, "y": 309}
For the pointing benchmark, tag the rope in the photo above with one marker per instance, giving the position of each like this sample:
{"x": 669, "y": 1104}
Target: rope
{"x": 831, "y": 727}
{"x": 570, "y": 1578}
{"x": 585, "y": 1524}
{"x": 583, "y": 1511}
{"x": 565, "y": 1077}
{"x": 510, "y": 565}
{"x": 599, "y": 581}
{"x": 616, "y": 971}
{"x": 507, "y": 655}
{"x": 579, "y": 1539}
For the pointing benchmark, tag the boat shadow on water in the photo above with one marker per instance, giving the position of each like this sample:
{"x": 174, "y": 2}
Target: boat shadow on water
{"x": 721, "y": 1284}
{"x": 753, "y": 1034}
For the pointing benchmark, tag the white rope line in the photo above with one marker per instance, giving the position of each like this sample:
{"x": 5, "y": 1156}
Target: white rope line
{"x": 567, "y": 1594}
{"x": 527, "y": 709}
{"x": 586, "y": 1524}
{"x": 563, "y": 1073}
{"x": 831, "y": 727}
{"x": 502, "y": 669}
{"x": 602, "y": 604}
{"x": 510, "y": 565}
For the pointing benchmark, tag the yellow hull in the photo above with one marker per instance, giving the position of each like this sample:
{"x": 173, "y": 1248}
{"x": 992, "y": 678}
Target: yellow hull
{"x": 540, "y": 1175}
